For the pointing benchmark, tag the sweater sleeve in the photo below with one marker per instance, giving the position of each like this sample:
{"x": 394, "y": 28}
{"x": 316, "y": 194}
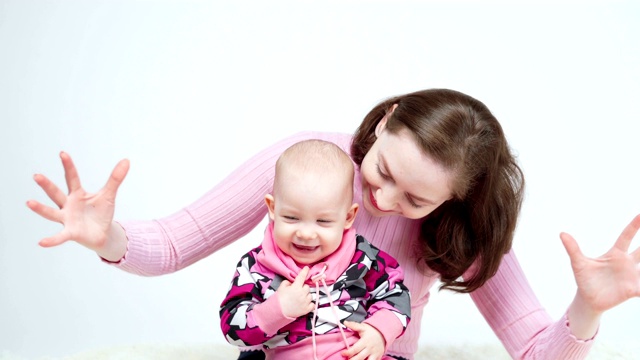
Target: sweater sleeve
{"x": 514, "y": 313}
{"x": 224, "y": 214}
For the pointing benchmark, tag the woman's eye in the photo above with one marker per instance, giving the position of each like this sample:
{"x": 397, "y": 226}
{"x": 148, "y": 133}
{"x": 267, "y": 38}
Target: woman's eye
{"x": 383, "y": 175}
{"x": 413, "y": 203}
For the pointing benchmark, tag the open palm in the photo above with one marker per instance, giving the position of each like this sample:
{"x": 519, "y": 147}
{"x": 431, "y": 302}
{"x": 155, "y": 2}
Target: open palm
{"x": 610, "y": 279}
{"x": 87, "y": 217}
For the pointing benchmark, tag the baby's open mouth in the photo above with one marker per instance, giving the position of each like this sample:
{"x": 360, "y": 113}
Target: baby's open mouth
{"x": 305, "y": 247}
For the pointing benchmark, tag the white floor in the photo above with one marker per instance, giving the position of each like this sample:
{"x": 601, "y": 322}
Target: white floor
{"x": 215, "y": 352}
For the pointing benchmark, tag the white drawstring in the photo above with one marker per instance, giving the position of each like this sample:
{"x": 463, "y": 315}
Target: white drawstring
{"x": 321, "y": 276}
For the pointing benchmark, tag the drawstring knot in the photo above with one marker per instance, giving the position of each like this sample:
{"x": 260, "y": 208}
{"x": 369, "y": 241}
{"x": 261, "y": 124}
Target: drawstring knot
{"x": 317, "y": 279}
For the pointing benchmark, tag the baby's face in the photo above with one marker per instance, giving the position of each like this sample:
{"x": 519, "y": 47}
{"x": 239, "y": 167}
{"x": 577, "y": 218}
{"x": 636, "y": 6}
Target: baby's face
{"x": 310, "y": 214}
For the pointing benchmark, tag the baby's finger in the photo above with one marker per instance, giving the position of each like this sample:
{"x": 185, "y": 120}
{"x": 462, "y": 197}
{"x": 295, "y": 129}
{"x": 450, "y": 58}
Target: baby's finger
{"x": 310, "y": 307}
{"x": 354, "y": 351}
{"x": 302, "y": 276}
{"x": 53, "y": 192}
{"x": 359, "y": 356}
{"x": 355, "y": 326}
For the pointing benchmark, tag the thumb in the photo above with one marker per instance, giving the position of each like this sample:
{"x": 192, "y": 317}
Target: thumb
{"x": 355, "y": 326}
{"x": 53, "y": 240}
{"x": 117, "y": 176}
{"x": 571, "y": 246}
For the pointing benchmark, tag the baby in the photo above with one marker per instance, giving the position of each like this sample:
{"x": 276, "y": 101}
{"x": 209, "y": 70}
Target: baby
{"x": 312, "y": 272}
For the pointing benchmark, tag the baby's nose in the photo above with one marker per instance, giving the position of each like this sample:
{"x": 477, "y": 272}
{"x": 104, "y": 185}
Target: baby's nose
{"x": 306, "y": 233}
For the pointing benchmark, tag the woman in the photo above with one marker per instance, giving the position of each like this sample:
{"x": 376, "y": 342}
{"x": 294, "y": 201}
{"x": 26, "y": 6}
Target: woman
{"x": 441, "y": 193}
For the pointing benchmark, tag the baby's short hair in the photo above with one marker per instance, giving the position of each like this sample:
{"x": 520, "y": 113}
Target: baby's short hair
{"x": 316, "y": 156}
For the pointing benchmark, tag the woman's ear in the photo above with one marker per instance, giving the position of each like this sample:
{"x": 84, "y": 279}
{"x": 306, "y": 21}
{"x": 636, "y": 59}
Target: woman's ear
{"x": 381, "y": 126}
{"x": 383, "y": 122}
{"x": 351, "y": 216}
{"x": 271, "y": 204}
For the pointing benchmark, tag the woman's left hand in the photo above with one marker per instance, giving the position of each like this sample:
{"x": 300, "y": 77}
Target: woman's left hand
{"x": 603, "y": 282}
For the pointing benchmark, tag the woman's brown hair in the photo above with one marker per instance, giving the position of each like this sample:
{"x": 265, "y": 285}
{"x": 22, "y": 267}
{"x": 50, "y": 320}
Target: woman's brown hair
{"x": 477, "y": 225}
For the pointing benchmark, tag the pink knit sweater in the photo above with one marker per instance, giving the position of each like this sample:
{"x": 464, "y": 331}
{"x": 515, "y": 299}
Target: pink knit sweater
{"x": 236, "y": 205}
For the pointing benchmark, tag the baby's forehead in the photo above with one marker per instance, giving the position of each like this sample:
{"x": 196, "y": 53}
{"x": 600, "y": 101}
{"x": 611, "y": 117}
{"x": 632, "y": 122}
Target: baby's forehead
{"x": 316, "y": 181}
{"x": 315, "y": 153}
{"x": 318, "y": 174}
{"x": 316, "y": 163}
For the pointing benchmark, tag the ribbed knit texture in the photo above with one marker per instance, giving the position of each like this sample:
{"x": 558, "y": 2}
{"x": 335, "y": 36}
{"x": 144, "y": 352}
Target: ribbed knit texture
{"x": 236, "y": 205}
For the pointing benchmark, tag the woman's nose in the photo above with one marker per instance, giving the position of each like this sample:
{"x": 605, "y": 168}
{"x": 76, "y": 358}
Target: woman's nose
{"x": 386, "y": 199}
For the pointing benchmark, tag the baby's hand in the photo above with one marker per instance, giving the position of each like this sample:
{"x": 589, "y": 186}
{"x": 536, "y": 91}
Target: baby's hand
{"x": 295, "y": 298}
{"x": 371, "y": 343}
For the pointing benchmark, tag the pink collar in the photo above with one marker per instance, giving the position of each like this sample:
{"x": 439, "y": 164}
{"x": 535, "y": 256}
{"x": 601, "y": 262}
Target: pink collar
{"x": 282, "y": 264}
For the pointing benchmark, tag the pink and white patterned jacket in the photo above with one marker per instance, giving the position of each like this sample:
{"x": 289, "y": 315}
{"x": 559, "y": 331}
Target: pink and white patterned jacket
{"x": 362, "y": 282}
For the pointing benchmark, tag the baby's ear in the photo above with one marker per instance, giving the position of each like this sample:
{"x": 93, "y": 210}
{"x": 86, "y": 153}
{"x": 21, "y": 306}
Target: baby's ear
{"x": 271, "y": 204}
{"x": 351, "y": 215}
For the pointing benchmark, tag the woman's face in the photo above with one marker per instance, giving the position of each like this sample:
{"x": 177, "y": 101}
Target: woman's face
{"x": 399, "y": 179}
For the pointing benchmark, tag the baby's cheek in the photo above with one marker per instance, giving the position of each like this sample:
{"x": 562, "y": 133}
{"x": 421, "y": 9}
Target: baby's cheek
{"x": 333, "y": 240}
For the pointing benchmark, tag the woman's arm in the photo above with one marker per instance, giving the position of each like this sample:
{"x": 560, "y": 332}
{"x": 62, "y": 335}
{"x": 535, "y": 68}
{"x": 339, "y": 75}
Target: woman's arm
{"x": 514, "y": 313}
{"x": 518, "y": 319}
{"x": 224, "y": 214}
{"x": 603, "y": 282}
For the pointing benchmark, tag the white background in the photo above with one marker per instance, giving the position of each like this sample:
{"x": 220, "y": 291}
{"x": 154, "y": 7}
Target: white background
{"x": 189, "y": 89}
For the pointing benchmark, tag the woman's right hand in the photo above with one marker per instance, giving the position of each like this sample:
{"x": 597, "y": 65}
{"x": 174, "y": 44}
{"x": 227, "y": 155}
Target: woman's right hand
{"x": 87, "y": 217}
